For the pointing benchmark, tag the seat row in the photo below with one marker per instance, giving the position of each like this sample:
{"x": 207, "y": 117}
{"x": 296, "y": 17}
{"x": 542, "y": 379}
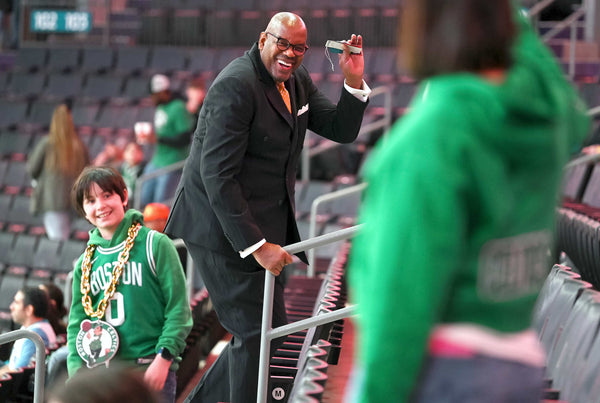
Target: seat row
{"x": 578, "y": 219}
{"x": 31, "y": 260}
{"x": 33, "y": 118}
{"x": 566, "y": 317}
{"x": 240, "y": 23}
{"x": 208, "y": 61}
{"x": 298, "y": 368}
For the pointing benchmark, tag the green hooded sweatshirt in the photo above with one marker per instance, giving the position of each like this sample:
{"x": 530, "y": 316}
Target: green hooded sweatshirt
{"x": 150, "y": 308}
{"x": 459, "y": 213}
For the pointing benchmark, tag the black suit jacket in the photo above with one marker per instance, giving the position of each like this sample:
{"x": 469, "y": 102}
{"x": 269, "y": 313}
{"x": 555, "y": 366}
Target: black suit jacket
{"x": 238, "y": 182}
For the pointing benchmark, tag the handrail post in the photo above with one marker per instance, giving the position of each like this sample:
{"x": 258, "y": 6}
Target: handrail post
{"x": 267, "y": 318}
{"x": 312, "y": 229}
{"x": 40, "y": 358}
{"x": 265, "y": 342}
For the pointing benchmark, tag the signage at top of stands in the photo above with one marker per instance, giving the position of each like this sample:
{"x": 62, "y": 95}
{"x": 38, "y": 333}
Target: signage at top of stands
{"x": 60, "y": 21}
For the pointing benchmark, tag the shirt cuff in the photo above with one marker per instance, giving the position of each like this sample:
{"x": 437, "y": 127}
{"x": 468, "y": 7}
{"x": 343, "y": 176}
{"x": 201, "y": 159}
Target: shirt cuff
{"x": 362, "y": 94}
{"x": 251, "y": 249}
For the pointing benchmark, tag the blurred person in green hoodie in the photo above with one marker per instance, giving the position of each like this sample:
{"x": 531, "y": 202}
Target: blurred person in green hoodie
{"x": 459, "y": 213}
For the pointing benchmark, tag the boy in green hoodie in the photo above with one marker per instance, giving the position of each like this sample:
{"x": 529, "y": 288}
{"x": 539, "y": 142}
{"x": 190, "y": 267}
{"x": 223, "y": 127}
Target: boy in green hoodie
{"x": 459, "y": 212}
{"x": 129, "y": 295}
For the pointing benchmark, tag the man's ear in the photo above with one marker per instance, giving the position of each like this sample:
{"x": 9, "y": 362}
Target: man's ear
{"x": 261, "y": 40}
{"x": 29, "y": 310}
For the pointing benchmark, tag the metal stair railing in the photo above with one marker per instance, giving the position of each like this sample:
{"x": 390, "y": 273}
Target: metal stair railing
{"x": 572, "y": 21}
{"x": 268, "y": 333}
{"x": 40, "y": 358}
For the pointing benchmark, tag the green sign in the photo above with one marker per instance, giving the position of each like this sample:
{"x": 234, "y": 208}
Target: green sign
{"x": 60, "y": 21}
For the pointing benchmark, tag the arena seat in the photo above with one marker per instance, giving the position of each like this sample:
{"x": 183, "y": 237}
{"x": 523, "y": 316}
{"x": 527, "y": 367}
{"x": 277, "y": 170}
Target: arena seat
{"x": 30, "y": 59}
{"x": 167, "y": 60}
{"x": 84, "y": 116}
{"x": 202, "y": 61}
{"x": 46, "y": 255}
{"x": 16, "y": 179}
{"x": 6, "y": 243}
{"x": 547, "y": 294}
{"x": 155, "y": 26}
{"x": 310, "y": 191}
{"x": 226, "y": 55}
{"x": 587, "y": 387}
{"x": 100, "y": 89}
{"x": 590, "y": 92}
{"x": 573, "y": 344}
{"x": 61, "y": 87}
{"x": 591, "y": 188}
{"x": 558, "y": 311}
{"x": 71, "y": 250}
{"x": 5, "y": 202}
{"x": 4, "y": 80}
{"x": 40, "y": 116}
{"x": 6, "y": 386}
{"x": 131, "y": 60}
{"x": 188, "y": 27}
{"x": 13, "y": 112}
{"x": 13, "y": 143}
{"x": 12, "y": 281}
{"x": 25, "y": 85}
{"x": 20, "y": 219}
{"x": 23, "y": 251}
{"x": 97, "y": 60}
{"x": 114, "y": 117}
{"x": 575, "y": 181}
{"x": 63, "y": 60}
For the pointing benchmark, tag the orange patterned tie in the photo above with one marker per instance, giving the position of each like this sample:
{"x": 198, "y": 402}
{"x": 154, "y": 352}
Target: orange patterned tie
{"x": 285, "y": 95}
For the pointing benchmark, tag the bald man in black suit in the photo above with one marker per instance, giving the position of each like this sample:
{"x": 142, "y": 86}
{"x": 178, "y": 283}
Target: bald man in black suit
{"x": 234, "y": 207}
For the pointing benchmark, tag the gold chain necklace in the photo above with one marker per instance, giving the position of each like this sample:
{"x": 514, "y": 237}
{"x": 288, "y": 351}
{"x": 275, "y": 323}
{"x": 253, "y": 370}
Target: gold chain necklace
{"x": 86, "y": 268}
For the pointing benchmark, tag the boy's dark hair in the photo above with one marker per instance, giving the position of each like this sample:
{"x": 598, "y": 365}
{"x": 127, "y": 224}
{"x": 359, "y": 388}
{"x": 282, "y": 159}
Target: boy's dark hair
{"x": 37, "y": 298}
{"x": 108, "y": 178}
{"x": 440, "y": 36}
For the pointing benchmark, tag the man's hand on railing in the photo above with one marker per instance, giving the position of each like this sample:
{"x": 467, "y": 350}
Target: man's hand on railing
{"x": 272, "y": 257}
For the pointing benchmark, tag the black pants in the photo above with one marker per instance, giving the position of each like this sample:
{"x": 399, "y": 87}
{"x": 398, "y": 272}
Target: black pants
{"x": 235, "y": 287}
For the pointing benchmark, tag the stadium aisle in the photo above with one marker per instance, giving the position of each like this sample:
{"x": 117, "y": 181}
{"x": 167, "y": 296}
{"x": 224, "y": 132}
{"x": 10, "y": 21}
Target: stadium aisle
{"x": 338, "y": 375}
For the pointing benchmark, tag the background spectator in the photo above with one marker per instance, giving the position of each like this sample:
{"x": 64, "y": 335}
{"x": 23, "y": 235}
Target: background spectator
{"x": 171, "y": 135}
{"x": 29, "y": 309}
{"x": 56, "y": 309}
{"x": 54, "y": 164}
{"x": 111, "y": 155}
{"x": 195, "y": 93}
{"x": 132, "y": 168}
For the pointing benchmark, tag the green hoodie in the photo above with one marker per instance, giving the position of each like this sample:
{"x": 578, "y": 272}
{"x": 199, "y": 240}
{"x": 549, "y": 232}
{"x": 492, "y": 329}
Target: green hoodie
{"x": 155, "y": 311}
{"x": 172, "y": 123}
{"x": 459, "y": 212}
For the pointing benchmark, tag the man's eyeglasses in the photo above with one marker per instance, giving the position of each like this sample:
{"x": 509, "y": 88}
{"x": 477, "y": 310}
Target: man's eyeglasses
{"x": 283, "y": 45}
